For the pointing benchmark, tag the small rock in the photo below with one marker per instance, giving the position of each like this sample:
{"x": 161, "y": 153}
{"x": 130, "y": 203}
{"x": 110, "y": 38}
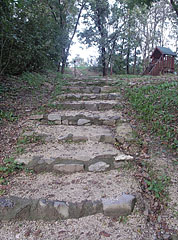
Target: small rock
{"x": 62, "y": 209}
{"x": 80, "y": 138}
{"x": 110, "y": 122}
{"x": 82, "y": 122}
{"x": 123, "y": 157}
{"x": 96, "y": 90}
{"x": 107, "y": 138}
{"x": 65, "y": 138}
{"x": 37, "y": 117}
{"x": 98, "y": 167}
{"x": 124, "y": 132}
{"x": 65, "y": 122}
{"x": 54, "y": 117}
{"x": 91, "y": 107}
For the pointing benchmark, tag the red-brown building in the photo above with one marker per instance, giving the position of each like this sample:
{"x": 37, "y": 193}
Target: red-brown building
{"x": 162, "y": 62}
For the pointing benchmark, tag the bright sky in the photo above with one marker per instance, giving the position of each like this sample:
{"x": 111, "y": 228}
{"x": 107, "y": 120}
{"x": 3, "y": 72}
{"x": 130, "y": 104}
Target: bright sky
{"x": 80, "y": 49}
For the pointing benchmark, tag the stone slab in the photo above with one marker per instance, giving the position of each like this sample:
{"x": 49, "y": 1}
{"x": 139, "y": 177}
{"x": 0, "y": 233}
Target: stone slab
{"x": 68, "y": 168}
{"x": 121, "y": 207}
{"x": 15, "y": 208}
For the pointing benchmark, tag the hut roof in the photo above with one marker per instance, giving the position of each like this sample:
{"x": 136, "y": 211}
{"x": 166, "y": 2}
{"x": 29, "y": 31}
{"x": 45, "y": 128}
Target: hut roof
{"x": 166, "y": 51}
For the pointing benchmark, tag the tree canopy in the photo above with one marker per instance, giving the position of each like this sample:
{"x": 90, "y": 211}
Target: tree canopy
{"x": 37, "y": 34}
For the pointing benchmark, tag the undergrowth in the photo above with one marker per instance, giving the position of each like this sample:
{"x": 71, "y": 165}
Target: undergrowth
{"x": 156, "y": 105}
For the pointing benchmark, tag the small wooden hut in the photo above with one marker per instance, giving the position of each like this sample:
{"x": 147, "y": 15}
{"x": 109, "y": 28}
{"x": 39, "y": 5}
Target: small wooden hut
{"x": 162, "y": 61}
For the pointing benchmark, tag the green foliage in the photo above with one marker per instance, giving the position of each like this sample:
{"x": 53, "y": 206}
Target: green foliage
{"x": 33, "y": 80}
{"x": 30, "y": 139}
{"x": 7, "y": 116}
{"x": 10, "y": 166}
{"x": 158, "y": 186}
{"x": 157, "y": 106}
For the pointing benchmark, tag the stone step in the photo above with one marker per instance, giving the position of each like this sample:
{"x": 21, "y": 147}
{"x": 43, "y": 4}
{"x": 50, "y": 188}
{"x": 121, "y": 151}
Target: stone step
{"x": 101, "y": 96}
{"x": 95, "y": 105}
{"x": 80, "y": 118}
{"x": 72, "y": 157}
{"x": 69, "y": 134}
{"x": 50, "y": 197}
{"x": 85, "y": 83}
{"x": 89, "y": 89}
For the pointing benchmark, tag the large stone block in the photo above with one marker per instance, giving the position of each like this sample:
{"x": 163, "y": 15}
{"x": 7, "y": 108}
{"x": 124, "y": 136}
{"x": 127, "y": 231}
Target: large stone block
{"x": 54, "y": 117}
{"x": 68, "y": 168}
{"x": 121, "y": 207}
{"x": 98, "y": 167}
{"x": 124, "y": 132}
{"x": 37, "y": 117}
{"x": 83, "y": 121}
{"x": 91, "y": 107}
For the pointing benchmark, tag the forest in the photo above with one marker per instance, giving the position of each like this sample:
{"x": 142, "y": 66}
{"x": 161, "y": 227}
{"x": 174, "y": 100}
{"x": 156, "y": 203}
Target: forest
{"x": 37, "y": 35}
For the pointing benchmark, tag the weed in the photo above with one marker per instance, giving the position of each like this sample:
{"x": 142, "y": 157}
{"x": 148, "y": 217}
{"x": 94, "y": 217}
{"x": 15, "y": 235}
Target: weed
{"x": 34, "y": 80}
{"x": 158, "y": 186}
{"x": 123, "y": 219}
{"x": 8, "y": 116}
{"x": 10, "y": 166}
{"x": 30, "y": 139}
{"x": 19, "y": 150}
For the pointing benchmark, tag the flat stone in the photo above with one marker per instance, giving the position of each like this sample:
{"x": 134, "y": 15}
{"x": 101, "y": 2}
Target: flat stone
{"x": 80, "y": 138}
{"x": 54, "y": 117}
{"x": 28, "y": 134}
{"x": 98, "y": 167}
{"x": 107, "y": 138}
{"x": 65, "y": 138}
{"x": 123, "y": 157}
{"x": 58, "y": 122}
{"x": 106, "y": 106}
{"x": 37, "y": 117}
{"x": 62, "y": 209}
{"x": 91, "y": 107}
{"x": 96, "y": 90}
{"x": 121, "y": 207}
{"x": 109, "y": 122}
{"x": 124, "y": 132}
{"x": 68, "y": 168}
{"x": 106, "y": 89}
{"x": 83, "y": 121}
{"x": 65, "y": 122}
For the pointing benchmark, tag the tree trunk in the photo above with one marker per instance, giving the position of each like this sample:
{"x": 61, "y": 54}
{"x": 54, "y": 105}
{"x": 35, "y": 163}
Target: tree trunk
{"x": 128, "y": 60}
{"x": 105, "y": 72}
{"x": 135, "y": 60}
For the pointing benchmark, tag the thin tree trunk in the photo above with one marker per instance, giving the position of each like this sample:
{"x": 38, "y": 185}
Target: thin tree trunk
{"x": 71, "y": 39}
{"x": 135, "y": 60}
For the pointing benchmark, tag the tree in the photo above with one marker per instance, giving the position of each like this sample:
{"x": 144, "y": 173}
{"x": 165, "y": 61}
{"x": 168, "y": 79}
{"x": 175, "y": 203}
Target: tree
{"x": 67, "y": 16}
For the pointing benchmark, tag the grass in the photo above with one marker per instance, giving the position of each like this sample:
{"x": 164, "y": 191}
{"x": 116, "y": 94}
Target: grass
{"x": 7, "y": 116}
{"x": 8, "y": 168}
{"x": 156, "y": 105}
{"x": 33, "y": 80}
{"x": 158, "y": 186}
{"x": 30, "y": 139}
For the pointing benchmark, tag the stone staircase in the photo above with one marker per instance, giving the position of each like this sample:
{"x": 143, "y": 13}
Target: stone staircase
{"x": 76, "y": 161}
